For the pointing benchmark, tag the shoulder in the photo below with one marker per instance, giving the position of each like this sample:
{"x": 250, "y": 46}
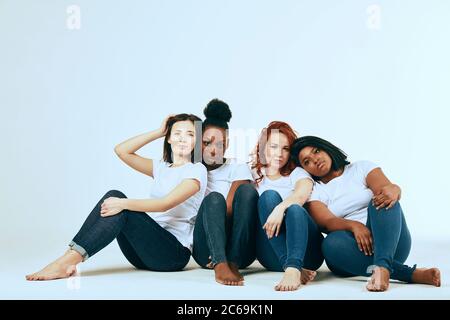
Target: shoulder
{"x": 363, "y": 166}
{"x": 299, "y": 173}
{"x": 199, "y": 167}
{"x": 158, "y": 165}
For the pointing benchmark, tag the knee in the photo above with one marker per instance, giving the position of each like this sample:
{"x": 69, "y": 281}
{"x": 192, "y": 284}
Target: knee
{"x": 246, "y": 192}
{"x": 373, "y": 210}
{"x": 332, "y": 244}
{"x": 215, "y": 199}
{"x": 114, "y": 193}
{"x": 296, "y": 211}
{"x": 270, "y": 196}
{"x": 268, "y": 200}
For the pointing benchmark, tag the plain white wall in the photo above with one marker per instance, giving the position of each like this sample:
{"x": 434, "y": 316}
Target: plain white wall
{"x": 373, "y": 80}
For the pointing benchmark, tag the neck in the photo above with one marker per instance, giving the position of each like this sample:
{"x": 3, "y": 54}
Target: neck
{"x": 271, "y": 171}
{"x": 210, "y": 167}
{"x": 331, "y": 175}
{"x": 179, "y": 160}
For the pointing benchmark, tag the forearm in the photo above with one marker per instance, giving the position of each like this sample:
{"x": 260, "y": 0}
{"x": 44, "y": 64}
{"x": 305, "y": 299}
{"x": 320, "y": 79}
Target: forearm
{"x": 133, "y": 144}
{"x": 336, "y": 224}
{"x": 286, "y": 203}
{"x": 146, "y": 205}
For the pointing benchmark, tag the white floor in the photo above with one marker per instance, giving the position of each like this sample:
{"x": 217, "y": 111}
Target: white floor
{"x": 109, "y": 276}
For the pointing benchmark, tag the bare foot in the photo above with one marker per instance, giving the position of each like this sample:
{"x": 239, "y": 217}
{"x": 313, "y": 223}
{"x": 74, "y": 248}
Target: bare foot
{"x": 235, "y": 269}
{"x": 63, "y": 267}
{"x": 379, "y": 281}
{"x": 430, "y": 276}
{"x": 291, "y": 280}
{"x": 224, "y": 275}
{"x": 307, "y": 276}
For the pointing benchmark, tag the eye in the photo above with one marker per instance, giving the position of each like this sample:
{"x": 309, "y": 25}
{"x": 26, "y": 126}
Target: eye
{"x": 306, "y": 162}
{"x": 317, "y": 150}
{"x": 206, "y": 143}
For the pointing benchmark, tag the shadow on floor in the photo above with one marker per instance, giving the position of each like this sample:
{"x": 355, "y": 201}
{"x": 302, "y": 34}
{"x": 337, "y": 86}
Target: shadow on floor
{"x": 108, "y": 271}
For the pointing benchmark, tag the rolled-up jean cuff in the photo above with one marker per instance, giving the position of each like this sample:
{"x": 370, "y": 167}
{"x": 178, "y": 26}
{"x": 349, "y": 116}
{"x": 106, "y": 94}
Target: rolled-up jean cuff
{"x": 79, "y": 249}
{"x": 292, "y": 265}
{"x": 373, "y": 266}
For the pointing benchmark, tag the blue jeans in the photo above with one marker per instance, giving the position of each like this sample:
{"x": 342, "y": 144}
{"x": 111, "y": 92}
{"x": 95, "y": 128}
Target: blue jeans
{"x": 145, "y": 244}
{"x": 298, "y": 242}
{"x": 391, "y": 244}
{"x": 226, "y": 238}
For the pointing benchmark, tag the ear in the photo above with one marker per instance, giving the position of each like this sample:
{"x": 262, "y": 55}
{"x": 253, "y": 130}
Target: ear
{"x": 227, "y": 143}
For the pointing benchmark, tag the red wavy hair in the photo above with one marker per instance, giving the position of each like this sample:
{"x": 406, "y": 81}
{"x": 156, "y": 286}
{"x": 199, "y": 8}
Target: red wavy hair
{"x": 259, "y": 160}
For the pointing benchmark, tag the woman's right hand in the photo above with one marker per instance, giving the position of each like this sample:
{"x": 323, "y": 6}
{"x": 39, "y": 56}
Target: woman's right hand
{"x": 163, "y": 129}
{"x": 363, "y": 237}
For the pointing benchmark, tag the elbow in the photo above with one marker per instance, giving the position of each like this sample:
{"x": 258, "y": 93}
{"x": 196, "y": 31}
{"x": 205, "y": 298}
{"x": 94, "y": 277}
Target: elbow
{"x": 117, "y": 150}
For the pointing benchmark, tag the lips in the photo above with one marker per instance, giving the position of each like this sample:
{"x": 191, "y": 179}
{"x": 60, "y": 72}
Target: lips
{"x": 320, "y": 165}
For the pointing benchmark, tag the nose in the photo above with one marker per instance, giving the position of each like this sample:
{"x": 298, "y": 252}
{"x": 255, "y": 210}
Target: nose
{"x": 278, "y": 153}
{"x": 182, "y": 138}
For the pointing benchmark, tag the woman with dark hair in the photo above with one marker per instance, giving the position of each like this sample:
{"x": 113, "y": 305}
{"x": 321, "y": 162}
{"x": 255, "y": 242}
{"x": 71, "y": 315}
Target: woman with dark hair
{"x": 224, "y": 234}
{"x": 357, "y": 205}
{"x": 153, "y": 234}
{"x": 287, "y": 238}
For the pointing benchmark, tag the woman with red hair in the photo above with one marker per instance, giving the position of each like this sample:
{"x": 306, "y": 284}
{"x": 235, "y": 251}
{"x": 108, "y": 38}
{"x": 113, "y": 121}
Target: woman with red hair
{"x": 287, "y": 238}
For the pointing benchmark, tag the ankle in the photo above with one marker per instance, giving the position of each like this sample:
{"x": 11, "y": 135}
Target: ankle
{"x": 292, "y": 270}
{"x": 73, "y": 257}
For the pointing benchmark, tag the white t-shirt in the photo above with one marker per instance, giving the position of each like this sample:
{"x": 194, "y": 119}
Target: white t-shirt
{"x": 348, "y": 195}
{"x": 179, "y": 220}
{"x": 220, "y": 179}
{"x": 285, "y": 186}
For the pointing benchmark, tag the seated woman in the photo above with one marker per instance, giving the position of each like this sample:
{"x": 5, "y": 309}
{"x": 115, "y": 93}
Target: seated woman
{"x": 287, "y": 238}
{"x": 224, "y": 234}
{"x": 358, "y": 206}
{"x": 162, "y": 239}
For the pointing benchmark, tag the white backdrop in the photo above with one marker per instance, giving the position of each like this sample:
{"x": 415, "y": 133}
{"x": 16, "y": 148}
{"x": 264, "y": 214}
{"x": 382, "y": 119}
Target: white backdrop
{"x": 371, "y": 76}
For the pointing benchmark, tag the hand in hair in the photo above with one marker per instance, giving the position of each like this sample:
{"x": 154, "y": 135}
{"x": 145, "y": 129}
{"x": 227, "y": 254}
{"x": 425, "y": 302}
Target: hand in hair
{"x": 163, "y": 129}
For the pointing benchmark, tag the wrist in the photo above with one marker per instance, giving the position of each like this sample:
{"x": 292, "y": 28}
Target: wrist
{"x": 351, "y": 226}
{"x": 282, "y": 207}
{"x": 124, "y": 204}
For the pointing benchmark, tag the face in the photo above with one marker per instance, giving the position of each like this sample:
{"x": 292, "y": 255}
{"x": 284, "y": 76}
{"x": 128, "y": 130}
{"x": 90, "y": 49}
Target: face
{"x": 315, "y": 161}
{"x": 213, "y": 145}
{"x": 182, "y": 138}
{"x": 277, "y": 150}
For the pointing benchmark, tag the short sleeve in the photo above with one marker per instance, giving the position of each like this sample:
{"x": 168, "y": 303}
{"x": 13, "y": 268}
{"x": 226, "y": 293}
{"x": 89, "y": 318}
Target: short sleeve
{"x": 299, "y": 173}
{"x": 198, "y": 172}
{"x": 365, "y": 167}
{"x": 157, "y": 164}
{"x": 241, "y": 171}
{"x": 319, "y": 194}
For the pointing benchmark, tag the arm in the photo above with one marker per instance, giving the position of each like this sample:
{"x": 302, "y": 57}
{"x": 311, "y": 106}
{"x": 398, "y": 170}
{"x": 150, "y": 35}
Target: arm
{"x": 186, "y": 189}
{"x": 385, "y": 192}
{"x": 327, "y": 220}
{"x": 302, "y": 191}
{"x": 231, "y": 193}
{"x": 126, "y": 150}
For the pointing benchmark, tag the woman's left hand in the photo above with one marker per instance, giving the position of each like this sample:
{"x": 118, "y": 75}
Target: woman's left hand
{"x": 112, "y": 206}
{"x": 273, "y": 223}
{"x": 387, "y": 197}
